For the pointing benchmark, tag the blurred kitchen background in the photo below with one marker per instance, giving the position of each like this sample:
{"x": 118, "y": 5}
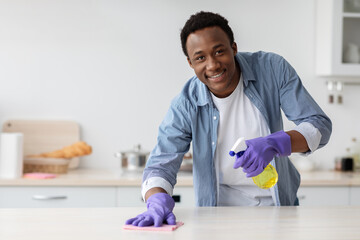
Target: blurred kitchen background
{"x": 114, "y": 66}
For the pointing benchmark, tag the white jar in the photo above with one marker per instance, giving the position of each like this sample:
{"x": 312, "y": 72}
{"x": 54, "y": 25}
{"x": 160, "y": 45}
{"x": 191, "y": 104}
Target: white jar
{"x": 351, "y": 54}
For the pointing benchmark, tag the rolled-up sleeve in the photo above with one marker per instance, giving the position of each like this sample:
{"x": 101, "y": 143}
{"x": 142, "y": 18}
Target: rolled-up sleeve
{"x": 156, "y": 182}
{"x": 311, "y": 134}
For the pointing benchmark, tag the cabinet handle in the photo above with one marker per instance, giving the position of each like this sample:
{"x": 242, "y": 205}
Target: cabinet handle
{"x": 177, "y": 198}
{"x": 43, "y": 197}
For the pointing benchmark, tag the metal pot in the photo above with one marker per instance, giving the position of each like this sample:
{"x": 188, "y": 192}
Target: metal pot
{"x": 134, "y": 159}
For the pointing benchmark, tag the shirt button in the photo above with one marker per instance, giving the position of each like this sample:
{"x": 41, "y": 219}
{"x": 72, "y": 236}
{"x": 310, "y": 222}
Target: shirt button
{"x": 214, "y": 117}
{"x": 213, "y": 143}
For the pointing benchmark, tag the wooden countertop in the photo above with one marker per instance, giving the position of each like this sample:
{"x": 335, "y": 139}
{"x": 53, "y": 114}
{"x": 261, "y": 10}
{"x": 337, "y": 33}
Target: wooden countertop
{"x": 116, "y": 177}
{"x": 199, "y": 223}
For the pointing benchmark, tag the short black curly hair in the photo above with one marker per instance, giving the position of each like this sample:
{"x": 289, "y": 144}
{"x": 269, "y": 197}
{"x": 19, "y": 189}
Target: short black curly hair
{"x": 203, "y": 20}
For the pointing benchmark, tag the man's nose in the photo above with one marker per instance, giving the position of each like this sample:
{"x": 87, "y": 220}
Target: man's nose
{"x": 212, "y": 64}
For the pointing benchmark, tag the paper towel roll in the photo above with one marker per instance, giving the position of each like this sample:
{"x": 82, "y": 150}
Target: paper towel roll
{"x": 11, "y": 155}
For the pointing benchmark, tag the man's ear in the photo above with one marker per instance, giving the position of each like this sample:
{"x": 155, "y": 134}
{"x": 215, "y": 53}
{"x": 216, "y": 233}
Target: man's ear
{"x": 190, "y": 64}
{"x": 234, "y": 47}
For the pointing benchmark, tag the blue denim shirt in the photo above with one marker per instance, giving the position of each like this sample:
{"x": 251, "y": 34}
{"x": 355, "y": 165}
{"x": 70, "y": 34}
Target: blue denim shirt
{"x": 271, "y": 84}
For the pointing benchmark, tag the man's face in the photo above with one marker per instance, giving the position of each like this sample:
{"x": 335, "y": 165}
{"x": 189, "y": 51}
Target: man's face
{"x": 212, "y": 57}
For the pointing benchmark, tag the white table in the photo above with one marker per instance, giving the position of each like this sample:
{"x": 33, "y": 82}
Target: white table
{"x": 200, "y": 223}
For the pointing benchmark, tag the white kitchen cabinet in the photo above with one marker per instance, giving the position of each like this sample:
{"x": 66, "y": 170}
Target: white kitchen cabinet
{"x": 131, "y": 197}
{"x": 355, "y": 196}
{"x": 57, "y": 197}
{"x": 336, "y": 28}
{"x": 185, "y": 195}
{"x": 323, "y": 196}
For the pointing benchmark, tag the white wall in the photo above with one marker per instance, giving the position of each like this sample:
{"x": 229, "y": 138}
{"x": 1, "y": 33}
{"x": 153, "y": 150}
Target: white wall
{"x": 113, "y": 66}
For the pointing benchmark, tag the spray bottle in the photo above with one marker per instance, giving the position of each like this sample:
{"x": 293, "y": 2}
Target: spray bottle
{"x": 268, "y": 178}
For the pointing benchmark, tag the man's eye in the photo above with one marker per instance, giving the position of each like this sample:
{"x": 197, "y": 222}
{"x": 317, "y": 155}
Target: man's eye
{"x": 200, "y": 58}
{"x": 219, "y": 52}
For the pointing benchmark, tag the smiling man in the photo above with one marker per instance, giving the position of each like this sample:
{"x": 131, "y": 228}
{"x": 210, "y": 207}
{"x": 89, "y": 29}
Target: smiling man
{"x": 232, "y": 94}
{"x": 211, "y": 54}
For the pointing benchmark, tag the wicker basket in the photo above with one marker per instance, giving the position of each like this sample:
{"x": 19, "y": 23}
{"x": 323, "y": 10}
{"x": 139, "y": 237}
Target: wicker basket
{"x": 46, "y": 165}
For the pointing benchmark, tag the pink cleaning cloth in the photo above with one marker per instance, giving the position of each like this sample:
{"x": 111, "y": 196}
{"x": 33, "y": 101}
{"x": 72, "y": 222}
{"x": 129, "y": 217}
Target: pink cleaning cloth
{"x": 163, "y": 228}
{"x": 39, "y": 175}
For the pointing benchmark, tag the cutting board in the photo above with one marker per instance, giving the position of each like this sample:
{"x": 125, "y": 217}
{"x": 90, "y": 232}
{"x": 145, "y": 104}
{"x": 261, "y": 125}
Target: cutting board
{"x": 45, "y": 135}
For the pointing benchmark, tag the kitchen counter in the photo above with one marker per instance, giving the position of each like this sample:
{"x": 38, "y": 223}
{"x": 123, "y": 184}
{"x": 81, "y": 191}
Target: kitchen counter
{"x": 330, "y": 178}
{"x": 199, "y": 223}
{"x": 116, "y": 177}
{"x": 92, "y": 177}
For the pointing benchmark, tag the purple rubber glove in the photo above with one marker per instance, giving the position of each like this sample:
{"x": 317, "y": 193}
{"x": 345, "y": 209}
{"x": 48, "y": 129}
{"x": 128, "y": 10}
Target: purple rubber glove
{"x": 261, "y": 151}
{"x": 159, "y": 211}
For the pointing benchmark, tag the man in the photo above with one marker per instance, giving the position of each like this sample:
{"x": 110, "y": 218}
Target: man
{"x": 233, "y": 94}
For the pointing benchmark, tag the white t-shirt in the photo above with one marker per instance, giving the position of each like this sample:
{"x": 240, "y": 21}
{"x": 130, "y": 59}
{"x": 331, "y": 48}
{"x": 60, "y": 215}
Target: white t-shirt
{"x": 239, "y": 117}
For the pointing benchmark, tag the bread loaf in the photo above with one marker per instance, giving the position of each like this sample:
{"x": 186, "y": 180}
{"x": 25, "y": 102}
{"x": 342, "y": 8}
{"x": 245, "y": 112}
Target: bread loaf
{"x": 75, "y": 150}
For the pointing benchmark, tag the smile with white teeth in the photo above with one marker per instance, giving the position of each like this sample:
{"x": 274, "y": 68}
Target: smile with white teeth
{"x": 218, "y": 75}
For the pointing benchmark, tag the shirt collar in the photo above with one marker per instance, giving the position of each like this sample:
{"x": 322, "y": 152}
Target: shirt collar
{"x": 246, "y": 71}
{"x": 204, "y": 96}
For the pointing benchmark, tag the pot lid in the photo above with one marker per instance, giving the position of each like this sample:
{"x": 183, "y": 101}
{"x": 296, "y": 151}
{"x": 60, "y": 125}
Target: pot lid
{"x": 137, "y": 150}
